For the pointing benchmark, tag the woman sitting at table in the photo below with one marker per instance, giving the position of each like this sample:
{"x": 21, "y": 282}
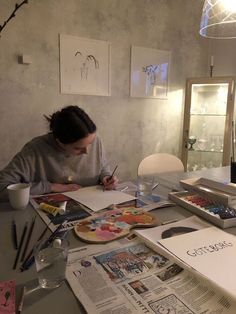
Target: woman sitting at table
{"x": 70, "y": 156}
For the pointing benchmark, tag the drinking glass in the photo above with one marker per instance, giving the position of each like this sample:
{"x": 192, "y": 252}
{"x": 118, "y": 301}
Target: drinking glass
{"x": 145, "y": 185}
{"x": 51, "y": 260}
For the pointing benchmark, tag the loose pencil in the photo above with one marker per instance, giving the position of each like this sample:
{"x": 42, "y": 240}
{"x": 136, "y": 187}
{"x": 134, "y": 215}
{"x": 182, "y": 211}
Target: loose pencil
{"x": 20, "y": 245}
{"x": 28, "y": 238}
{"x": 26, "y": 264}
{"x": 14, "y": 234}
{"x": 20, "y": 307}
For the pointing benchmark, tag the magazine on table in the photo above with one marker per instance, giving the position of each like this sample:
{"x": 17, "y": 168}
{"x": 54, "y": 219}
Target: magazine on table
{"x": 129, "y": 277}
{"x": 73, "y": 211}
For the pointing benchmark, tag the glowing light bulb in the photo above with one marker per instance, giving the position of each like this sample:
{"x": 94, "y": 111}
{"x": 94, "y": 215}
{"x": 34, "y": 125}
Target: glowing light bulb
{"x": 229, "y": 5}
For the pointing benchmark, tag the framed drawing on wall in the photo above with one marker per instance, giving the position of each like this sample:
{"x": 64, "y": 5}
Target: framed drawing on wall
{"x": 84, "y": 66}
{"x": 149, "y": 72}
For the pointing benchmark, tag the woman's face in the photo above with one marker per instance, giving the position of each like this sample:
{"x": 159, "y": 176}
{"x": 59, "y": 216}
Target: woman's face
{"x": 78, "y": 147}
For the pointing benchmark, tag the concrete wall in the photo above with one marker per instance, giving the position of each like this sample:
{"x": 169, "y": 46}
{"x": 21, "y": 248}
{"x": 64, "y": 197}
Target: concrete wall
{"x": 224, "y": 52}
{"x": 131, "y": 127}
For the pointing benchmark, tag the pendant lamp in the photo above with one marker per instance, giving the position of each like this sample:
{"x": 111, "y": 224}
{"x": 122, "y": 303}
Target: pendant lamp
{"x": 218, "y": 19}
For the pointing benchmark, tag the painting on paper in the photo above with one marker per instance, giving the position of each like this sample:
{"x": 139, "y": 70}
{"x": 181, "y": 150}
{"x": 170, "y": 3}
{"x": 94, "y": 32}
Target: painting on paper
{"x": 149, "y": 72}
{"x": 84, "y": 66}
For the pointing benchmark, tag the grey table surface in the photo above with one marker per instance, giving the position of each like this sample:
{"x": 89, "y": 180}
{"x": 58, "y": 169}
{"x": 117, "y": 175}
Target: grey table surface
{"x": 62, "y": 299}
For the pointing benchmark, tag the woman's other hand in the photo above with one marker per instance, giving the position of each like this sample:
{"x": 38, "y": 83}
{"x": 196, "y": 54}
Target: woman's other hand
{"x": 59, "y": 188}
{"x": 109, "y": 183}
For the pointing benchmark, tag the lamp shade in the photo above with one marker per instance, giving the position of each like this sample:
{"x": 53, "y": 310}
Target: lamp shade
{"x": 218, "y": 19}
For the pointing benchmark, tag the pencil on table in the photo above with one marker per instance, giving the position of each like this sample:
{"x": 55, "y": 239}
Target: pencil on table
{"x": 30, "y": 258}
{"x": 20, "y": 307}
{"x": 20, "y": 245}
{"x": 28, "y": 239}
{"x": 14, "y": 234}
{"x": 28, "y": 261}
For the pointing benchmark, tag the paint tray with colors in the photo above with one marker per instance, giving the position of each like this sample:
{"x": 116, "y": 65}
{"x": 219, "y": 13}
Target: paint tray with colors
{"x": 206, "y": 207}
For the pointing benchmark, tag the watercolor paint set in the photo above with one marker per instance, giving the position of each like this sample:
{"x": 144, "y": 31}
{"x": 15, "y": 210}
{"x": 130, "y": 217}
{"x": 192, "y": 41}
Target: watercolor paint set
{"x": 205, "y": 198}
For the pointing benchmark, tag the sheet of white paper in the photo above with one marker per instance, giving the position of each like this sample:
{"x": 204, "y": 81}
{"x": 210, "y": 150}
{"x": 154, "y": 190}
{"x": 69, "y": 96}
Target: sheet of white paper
{"x": 210, "y": 251}
{"x": 96, "y": 199}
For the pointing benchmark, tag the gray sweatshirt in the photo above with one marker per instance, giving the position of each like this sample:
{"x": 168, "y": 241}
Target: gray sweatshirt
{"x": 41, "y": 162}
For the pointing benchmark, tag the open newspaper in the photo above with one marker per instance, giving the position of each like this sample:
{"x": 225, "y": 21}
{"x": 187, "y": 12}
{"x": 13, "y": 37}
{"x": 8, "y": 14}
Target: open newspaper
{"x": 132, "y": 278}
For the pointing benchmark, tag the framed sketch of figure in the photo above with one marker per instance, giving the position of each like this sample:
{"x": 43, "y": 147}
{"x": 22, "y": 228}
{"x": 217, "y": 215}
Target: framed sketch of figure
{"x": 84, "y": 66}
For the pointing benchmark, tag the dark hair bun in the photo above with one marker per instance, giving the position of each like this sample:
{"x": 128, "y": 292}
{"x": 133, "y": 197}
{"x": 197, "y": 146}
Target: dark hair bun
{"x": 71, "y": 124}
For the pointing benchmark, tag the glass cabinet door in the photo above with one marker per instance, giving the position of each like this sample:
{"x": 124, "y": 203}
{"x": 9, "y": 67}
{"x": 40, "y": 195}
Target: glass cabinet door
{"x": 208, "y": 116}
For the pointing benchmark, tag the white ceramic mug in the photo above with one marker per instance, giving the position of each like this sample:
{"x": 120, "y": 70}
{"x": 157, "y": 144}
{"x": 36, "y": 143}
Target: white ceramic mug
{"x": 19, "y": 195}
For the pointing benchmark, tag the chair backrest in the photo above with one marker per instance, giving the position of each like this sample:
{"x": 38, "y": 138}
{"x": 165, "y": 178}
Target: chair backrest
{"x": 160, "y": 163}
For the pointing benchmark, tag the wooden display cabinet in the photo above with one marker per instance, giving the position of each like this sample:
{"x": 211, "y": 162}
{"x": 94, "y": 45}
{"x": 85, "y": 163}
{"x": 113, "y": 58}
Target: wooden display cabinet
{"x": 208, "y": 120}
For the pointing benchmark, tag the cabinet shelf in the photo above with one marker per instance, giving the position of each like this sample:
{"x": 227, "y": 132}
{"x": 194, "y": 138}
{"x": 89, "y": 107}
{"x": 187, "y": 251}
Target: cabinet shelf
{"x": 208, "y": 114}
{"x": 204, "y": 151}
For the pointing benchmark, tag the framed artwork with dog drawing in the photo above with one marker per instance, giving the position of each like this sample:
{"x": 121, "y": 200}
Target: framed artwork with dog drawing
{"x": 149, "y": 73}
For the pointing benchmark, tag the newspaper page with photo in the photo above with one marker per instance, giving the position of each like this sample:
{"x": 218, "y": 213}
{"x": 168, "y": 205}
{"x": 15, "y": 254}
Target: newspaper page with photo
{"x": 132, "y": 278}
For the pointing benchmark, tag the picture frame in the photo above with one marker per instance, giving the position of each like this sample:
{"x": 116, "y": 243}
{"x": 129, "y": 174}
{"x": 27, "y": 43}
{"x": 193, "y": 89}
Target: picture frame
{"x": 149, "y": 74}
{"x": 84, "y": 66}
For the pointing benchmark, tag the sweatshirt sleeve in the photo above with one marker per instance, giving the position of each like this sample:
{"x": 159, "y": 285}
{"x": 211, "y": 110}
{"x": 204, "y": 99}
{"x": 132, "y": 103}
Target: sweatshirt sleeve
{"x": 21, "y": 169}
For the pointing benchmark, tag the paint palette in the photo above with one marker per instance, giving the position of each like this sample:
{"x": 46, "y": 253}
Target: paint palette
{"x": 113, "y": 224}
{"x": 207, "y": 207}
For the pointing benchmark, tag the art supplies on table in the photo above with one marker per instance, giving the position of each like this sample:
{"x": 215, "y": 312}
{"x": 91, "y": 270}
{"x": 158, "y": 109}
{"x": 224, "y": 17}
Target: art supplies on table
{"x": 214, "y": 201}
{"x": 20, "y": 245}
{"x": 20, "y": 307}
{"x": 7, "y": 297}
{"x": 113, "y": 224}
{"x": 56, "y": 208}
{"x": 59, "y": 232}
{"x": 14, "y": 234}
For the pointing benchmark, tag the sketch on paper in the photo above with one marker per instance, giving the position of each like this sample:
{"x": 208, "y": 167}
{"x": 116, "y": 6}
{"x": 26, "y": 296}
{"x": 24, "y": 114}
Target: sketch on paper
{"x": 149, "y": 72}
{"x": 85, "y": 63}
{"x": 84, "y": 66}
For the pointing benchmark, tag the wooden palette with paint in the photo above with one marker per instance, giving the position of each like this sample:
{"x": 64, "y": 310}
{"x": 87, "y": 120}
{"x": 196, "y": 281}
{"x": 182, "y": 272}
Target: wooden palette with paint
{"x": 113, "y": 224}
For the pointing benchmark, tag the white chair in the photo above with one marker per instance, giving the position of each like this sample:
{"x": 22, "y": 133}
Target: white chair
{"x": 159, "y": 163}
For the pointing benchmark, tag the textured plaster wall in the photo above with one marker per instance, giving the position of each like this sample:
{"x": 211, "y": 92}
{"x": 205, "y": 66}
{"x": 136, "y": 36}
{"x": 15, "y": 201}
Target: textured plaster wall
{"x": 131, "y": 127}
{"x": 224, "y": 51}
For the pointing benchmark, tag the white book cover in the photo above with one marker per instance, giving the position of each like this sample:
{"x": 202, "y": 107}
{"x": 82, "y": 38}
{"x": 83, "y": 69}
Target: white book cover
{"x": 210, "y": 251}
